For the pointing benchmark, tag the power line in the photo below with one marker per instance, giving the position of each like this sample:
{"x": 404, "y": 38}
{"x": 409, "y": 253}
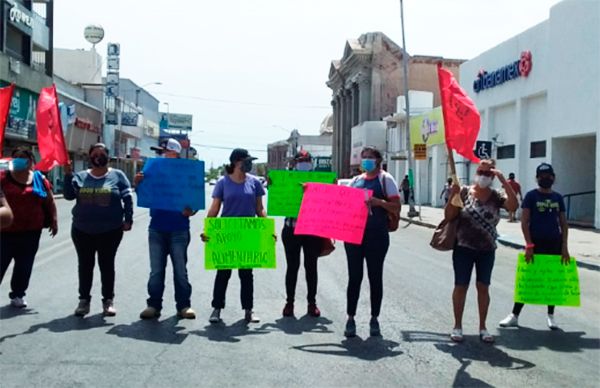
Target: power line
{"x": 222, "y": 147}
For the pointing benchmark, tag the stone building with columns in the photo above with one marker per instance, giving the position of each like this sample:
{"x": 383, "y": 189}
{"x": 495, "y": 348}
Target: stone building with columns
{"x": 366, "y": 82}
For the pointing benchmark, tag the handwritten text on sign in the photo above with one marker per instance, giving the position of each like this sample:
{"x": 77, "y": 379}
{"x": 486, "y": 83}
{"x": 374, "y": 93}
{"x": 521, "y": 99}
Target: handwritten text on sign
{"x": 285, "y": 190}
{"x": 172, "y": 184}
{"x": 239, "y": 242}
{"x": 546, "y": 281}
{"x": 333, "y": 211}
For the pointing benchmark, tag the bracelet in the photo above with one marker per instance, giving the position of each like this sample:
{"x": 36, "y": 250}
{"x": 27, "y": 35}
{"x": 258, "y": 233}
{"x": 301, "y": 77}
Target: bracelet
{"x": 528, "y": 246}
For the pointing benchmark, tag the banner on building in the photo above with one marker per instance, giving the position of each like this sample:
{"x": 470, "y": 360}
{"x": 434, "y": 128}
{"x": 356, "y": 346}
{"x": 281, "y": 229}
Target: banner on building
{"x": 427, "y": 128}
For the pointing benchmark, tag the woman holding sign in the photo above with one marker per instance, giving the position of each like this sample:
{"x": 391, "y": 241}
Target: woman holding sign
{"x": 545, "y": 229}
{"x": 240, "y": 195}
{"x": 376, "y": 239}
{"x": 476, "y": 240}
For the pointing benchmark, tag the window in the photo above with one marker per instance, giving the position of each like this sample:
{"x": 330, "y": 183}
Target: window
{"x": 538, "y": 149}
{"x": 506, "y": 152}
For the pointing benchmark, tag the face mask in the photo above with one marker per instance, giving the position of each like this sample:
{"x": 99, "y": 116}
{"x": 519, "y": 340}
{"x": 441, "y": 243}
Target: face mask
{"x": 20, "y": 164}
{"x": 545, "y": 183}
{"x": 368, "y": 164}
{"x": 247, "y": 165}
{"x": 304, "y": 166}
{"x": 484, "y": 181}
{"x": 100, "y": 161}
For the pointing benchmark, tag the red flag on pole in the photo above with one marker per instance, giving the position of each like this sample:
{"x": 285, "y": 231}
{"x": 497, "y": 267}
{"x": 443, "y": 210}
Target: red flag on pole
{"x": 49, "y": 131}
{"x": 461, "y": 117}
{"x": 5, "y": 100}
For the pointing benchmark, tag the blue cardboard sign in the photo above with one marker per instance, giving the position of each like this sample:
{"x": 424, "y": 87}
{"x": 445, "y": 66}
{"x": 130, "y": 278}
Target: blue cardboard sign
{"x": 172, "y": 184}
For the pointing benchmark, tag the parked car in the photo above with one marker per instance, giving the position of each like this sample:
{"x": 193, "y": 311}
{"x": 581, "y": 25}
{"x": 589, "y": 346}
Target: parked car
{"x": 344, "y": 182}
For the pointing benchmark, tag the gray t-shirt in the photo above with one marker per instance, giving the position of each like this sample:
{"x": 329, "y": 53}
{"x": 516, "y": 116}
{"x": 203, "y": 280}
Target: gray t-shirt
{"x": 103, "y": 203}
{"x": 477, "y": 220}
{"x": 239, "y": 199}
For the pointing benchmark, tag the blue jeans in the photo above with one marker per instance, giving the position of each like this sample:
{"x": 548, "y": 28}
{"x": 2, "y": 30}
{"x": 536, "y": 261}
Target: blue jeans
{"x": 163, "y": 244}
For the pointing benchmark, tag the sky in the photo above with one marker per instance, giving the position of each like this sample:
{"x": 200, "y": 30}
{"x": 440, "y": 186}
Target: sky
{"x": 250, "y": 71}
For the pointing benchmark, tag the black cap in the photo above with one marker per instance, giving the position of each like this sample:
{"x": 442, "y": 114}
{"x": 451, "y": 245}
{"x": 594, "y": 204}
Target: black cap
{"x": 544, "y": 168}
{"x": 511, "y": 175}
{"x": 240, "y": 154}
{"x": 303, "y": 156}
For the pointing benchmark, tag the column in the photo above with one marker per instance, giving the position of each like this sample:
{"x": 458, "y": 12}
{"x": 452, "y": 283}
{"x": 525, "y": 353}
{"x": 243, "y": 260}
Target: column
{"x": 336, "y": 133}
{"x": 364, "y": 94}
{"x": 347, "y": 140}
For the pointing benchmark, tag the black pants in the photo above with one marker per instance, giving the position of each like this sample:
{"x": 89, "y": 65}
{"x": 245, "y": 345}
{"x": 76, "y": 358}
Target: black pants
{"x": 542, "y": 247}
{"x": 293, "y": 244}
{"x": 22, "y": 247}
{"x": 373, "y": 249}
{"x": 246, "y": 292}
{"x": 406, "y": 195}
{"x": 87, "y": 245}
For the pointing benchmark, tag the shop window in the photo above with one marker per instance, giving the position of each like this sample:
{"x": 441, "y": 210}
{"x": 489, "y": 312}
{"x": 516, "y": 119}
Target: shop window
{"x": 506, "y": 152}
{"x": 538, "y": 149}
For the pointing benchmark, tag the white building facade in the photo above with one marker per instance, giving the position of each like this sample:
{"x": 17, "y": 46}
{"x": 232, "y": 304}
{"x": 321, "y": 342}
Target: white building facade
{"x": 540, "y": 102}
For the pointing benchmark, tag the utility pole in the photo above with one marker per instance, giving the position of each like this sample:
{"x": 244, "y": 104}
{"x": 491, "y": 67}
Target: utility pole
{"x": 411, "y": 204}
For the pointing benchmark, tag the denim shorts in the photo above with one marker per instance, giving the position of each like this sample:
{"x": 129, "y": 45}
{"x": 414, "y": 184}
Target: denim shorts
{"x": 463, "y": 260}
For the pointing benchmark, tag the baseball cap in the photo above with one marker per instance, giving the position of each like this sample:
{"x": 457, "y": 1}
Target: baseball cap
{"x": 240, "y": 154}
{"x": 303, "y": 156}
{"x": 170, "y": 145}
{"x": 544, "y": 168}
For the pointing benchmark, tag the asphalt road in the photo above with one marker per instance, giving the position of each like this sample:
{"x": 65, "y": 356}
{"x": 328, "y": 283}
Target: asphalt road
{"x": 46, "y": 346}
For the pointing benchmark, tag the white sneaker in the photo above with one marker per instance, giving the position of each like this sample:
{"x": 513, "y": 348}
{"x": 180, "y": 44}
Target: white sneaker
{"x": 215, "y": 317}
{"x": 510, "y": 321}
{"x": 18, "y": 302}
{"x": 552, "y": 323}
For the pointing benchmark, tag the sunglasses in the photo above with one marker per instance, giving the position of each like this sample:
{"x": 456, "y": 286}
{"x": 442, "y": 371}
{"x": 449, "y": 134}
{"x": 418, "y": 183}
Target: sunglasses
{"x": 485, "y": 173}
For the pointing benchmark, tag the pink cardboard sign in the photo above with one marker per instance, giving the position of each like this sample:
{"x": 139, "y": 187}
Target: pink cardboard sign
{"x": 333, "y": 211}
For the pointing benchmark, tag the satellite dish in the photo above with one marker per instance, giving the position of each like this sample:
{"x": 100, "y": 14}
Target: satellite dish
{"x": 93, "y": 33}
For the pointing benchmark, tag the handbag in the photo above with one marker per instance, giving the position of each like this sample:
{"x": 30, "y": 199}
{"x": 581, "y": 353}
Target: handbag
{"x": 393, "y": 217}
{"x": 444, "y": 236}
{"x": 327, "y": 246}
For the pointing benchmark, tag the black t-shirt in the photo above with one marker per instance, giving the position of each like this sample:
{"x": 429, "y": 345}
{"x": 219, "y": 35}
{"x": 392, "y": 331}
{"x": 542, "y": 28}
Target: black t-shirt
{"x": 545, "y": 209}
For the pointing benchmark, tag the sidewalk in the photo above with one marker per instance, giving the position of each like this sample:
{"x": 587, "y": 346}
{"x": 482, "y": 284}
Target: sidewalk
{"x": 584, "y": 244}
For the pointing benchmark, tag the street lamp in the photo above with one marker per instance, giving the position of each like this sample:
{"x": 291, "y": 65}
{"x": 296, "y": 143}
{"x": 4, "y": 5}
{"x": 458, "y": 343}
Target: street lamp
{"x": 167, "y": 104}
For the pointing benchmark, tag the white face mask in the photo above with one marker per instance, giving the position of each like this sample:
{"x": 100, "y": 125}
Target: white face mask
{"x": 483, "y": 181}
{"x": 304, "y": 166}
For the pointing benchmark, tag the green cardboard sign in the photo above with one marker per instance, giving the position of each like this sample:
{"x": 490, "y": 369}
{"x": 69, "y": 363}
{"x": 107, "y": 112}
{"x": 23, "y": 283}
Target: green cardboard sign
{"x": 547, "y": 281}
{"x": 285, "y": 190}
{"x": 239, "y": 243}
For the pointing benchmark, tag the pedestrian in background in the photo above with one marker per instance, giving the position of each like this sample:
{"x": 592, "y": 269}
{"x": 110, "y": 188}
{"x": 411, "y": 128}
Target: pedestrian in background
{"x": 30, "y": 197}
{"x": 405, "y": 187}
{"x": 545, "y": 229}
{"x": 445, "y": 194}
{"x": 240, "y": 194}
{"x": 293, "y": 244}
{"x": 517, "y": 189}
{"x": 375, "y": 241}
{"x": 476, "y": 241}
{"x": 168, "y": 235}
{"x": 102, "y": 211}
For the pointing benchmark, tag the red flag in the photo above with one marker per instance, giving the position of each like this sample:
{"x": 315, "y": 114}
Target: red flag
{"x": 5, "y": 100}
{"x": 49, "y": 131}
{"x": 461, "y": 117}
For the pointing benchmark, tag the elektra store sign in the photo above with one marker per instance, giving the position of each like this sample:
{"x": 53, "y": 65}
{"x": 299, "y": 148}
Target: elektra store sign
{"x": 518, "y": 68}
{"x": 20, "y": 17}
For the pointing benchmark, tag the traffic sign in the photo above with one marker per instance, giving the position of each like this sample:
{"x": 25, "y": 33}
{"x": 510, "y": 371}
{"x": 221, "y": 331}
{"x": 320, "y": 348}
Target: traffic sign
{"x": 483, "y": 149}
{"x": 420, "y": 151}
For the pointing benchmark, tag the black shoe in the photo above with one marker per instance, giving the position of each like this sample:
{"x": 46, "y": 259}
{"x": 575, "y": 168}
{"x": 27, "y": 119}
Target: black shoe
{"x": 375, "y": 331}
{"x": 350, "y": 328}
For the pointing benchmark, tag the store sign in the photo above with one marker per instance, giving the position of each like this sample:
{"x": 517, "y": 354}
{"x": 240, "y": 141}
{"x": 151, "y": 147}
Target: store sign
{"x": 176, "y": 121}
{"x": 519, "y": 68}
{"x": 20, "y": 17}
{"x": 420, "y": 151}
{"x": 21, "y": 116}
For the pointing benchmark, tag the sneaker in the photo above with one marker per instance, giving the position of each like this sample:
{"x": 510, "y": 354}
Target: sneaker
{"x": 250, "y": 317}
{"x": 374, "y": 327}
{"x": 313, "y": 310}
{"x": 83, "y": 308}
{"x": 150, "y": 313}
{"x": 511, "y": 320}
{"x": 288, "y": 310}
{"x": 18, "y": 302}
{"x": 350, "y": 330}
{"x": 108, "y": 309}
{"x": 186, "y": 313}
{"x": 215, "y": 317}
{"x": 552, "y": 323}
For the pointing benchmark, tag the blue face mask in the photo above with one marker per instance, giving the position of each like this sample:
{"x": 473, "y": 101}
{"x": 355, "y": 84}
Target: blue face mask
{"x": 368, "y": 165}
{"x": 20, "y": 164}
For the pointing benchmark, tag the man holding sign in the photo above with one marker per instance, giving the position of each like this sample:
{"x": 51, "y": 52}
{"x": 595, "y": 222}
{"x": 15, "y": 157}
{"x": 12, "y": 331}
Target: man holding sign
{"x": 168, "y": 235}
{"x": 545, "y": 229}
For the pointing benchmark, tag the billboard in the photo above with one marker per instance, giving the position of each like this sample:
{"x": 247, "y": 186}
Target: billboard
{"x": 427, "y": 128}
{"x": 176, "y": 122}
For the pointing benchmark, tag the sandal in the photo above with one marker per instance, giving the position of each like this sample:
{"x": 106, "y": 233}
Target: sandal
{"x": 486, "y": 337}
{"x": 456, "y": 335}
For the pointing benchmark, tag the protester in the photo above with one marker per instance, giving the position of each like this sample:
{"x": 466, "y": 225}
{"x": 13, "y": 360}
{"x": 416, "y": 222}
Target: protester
{"x": 405, "y": 187}
{"x": 6, "y": 214}
{"x": 168, "y": 235}
{"x": 517, "y": 189}
{"x": 376, "y": 240}
{"x": 476, "y": 241}
{"x": 445, "y": 194}
{"x": 240, "y": 194}
{"x": 33, "y": 209}
{"x": 545, "y": 229}
{"x": 293, "y": 244}
{"x": 103, "y": 210}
